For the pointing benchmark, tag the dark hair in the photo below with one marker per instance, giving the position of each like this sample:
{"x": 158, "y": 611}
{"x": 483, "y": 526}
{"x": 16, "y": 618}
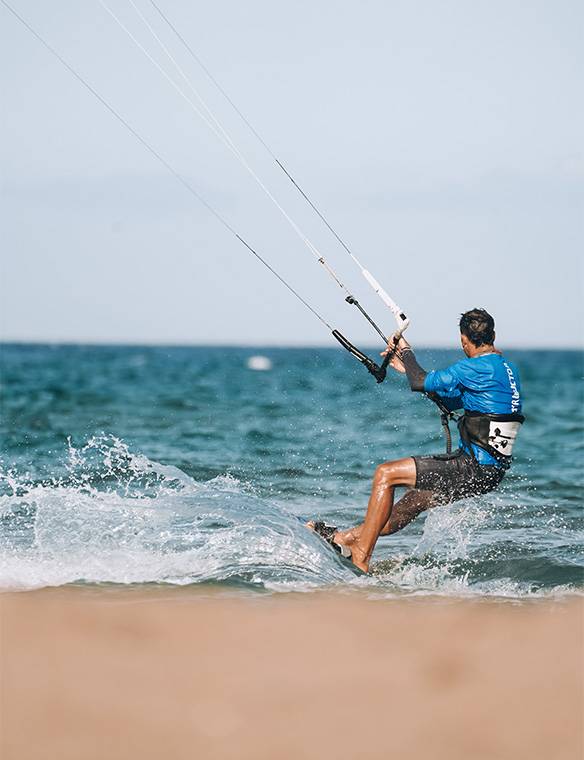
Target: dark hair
{"x": 478, "y": 326}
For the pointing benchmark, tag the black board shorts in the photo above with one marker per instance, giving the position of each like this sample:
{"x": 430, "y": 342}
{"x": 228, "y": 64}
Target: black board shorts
{"x": 455, "y": 476}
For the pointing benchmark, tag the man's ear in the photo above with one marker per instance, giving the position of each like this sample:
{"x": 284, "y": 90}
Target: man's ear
{"x": 465, "y": 343}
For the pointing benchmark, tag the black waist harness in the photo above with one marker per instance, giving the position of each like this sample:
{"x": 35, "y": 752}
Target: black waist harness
{"x": 495, "y": 433}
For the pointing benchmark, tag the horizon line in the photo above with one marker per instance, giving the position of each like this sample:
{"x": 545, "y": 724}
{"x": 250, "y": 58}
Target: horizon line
{"x": 268, "y": 346}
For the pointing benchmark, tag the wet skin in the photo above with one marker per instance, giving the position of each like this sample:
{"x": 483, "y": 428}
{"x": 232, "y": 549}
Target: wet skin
{"x": 383, "y": 517}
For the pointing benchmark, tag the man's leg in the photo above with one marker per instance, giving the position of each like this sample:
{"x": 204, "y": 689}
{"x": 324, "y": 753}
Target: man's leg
{"x": 387, "y": 476}
{"x": 411, "y": 504}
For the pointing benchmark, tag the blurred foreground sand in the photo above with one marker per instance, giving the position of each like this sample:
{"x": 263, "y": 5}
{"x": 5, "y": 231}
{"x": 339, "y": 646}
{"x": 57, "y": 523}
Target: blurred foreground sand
{"x": 107, "y": 674}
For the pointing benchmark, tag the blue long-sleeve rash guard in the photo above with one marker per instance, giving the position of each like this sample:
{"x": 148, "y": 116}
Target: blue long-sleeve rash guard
{"x": 488, "y": 383}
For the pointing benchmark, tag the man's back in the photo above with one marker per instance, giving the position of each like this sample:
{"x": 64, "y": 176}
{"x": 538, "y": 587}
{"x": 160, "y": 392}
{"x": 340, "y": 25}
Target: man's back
{"x": 488, "y": 384}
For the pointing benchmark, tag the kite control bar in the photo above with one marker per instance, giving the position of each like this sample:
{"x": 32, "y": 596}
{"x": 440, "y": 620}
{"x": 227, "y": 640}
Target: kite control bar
{"x": 379, "y": 372}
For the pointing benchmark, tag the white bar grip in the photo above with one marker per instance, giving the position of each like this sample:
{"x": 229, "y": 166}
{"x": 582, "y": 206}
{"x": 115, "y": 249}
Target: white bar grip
{"x": 400, "y": 317}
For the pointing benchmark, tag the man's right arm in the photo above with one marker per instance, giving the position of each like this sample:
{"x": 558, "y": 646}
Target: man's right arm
{"x": 439, "y": 383}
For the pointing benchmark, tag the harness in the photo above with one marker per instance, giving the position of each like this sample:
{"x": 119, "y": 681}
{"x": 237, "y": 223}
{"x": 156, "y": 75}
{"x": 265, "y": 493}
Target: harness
{"x": 495, "y": 433}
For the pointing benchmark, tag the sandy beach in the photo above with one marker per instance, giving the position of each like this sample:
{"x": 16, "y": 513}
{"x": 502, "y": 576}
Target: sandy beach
{"x": 147, "y": 674}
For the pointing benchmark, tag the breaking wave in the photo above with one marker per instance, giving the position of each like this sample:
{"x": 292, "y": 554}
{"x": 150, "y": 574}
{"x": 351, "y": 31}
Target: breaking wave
{"x": 117, "y": 517}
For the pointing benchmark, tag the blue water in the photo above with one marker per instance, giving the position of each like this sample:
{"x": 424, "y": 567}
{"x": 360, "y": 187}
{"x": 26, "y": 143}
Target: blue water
{"x": 134, "y": 465}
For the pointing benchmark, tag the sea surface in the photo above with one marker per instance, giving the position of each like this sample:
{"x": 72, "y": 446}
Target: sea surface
{"x": 185, "y": 466}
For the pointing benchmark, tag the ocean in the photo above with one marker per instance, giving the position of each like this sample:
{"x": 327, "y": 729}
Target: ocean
{"x": 172, "y": 466}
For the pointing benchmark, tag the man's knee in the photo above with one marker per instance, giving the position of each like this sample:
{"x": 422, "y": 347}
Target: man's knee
{"x": 386, "y": 473}
{"x": 401, "y": 472}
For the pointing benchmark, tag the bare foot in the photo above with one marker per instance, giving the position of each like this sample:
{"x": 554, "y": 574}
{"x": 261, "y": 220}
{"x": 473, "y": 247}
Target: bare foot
{"x": 359, "y": 558}
{"x": 346, "y": 537}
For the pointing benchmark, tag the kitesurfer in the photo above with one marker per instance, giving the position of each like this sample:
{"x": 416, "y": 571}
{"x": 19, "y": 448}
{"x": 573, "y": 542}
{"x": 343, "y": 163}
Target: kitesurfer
{"x": 486, "y": 385}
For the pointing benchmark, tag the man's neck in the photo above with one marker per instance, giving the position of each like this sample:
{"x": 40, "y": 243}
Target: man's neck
{"x": 482, "y": 351}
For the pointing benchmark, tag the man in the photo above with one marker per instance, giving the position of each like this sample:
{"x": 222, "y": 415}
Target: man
{"x": 486, "y": 386}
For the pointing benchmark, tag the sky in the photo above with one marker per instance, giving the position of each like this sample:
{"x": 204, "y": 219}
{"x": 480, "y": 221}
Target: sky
{"x": 442, "y": 140}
